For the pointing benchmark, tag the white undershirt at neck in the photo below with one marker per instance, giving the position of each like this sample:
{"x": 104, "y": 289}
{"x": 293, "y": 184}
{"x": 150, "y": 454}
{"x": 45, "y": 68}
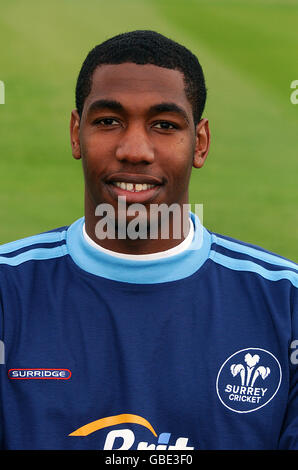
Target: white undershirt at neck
{"x": 184, "y": 245}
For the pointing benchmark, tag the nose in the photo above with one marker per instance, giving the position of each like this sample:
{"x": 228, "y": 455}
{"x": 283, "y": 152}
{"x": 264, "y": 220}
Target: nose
{"x": 135, "y": 146}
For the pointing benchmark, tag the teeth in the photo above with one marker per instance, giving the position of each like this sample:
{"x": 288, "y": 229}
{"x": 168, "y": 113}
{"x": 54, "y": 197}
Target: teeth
{"x": 133, "y": 187}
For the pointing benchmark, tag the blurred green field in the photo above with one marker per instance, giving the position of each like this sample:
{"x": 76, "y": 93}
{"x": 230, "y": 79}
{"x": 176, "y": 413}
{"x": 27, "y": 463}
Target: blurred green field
{"x": 248, "y": 49}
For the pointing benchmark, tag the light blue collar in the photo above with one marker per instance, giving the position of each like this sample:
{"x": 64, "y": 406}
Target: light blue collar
{"x": 154, "y": 271}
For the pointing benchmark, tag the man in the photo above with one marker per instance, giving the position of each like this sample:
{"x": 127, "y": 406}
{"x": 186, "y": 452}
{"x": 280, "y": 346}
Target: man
{"x": 151, "y": 342}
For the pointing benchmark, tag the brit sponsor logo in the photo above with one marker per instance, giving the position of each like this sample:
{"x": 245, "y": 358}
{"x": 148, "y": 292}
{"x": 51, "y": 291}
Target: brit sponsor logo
{"x": 58, "y": 374}
{"x": 125, "y": 439}
{"x": 248, "y": 380}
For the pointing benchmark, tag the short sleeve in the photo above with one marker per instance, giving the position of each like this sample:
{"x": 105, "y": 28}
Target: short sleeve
{"x": 289, "y": 435}
{"x": 2, "y": 365}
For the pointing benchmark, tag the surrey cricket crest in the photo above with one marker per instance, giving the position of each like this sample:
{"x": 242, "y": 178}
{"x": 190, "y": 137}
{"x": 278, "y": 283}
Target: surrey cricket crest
{"x": 248, "y": 380}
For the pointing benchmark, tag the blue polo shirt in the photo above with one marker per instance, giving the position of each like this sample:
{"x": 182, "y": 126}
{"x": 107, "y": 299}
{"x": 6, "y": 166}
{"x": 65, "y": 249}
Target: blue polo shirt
{"x": 187, "y": 349}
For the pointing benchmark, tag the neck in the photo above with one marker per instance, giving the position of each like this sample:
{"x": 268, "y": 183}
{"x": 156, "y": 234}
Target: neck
{"x": 167, "y": 233}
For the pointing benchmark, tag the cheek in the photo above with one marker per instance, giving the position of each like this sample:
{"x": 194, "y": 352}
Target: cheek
{"x": 181, "y": 159}
{"x": 94, "y": 154}
{"x": 90, "y": 147}
{"x": 184, "y": 146}
{"x": 94, "y": 143}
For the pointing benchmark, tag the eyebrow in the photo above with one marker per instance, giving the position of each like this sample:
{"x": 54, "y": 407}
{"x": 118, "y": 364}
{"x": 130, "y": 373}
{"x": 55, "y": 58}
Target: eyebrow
{"x": 114, "y": 105}
{"x": 169, "y": 108}
{"x": 105, "y": 104}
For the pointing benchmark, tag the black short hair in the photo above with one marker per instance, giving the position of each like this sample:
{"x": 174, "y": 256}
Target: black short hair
{"x": 145, "y": 47}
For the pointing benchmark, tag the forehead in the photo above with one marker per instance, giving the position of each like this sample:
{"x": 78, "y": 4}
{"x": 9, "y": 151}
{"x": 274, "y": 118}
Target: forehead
{"x": 133, "y": 84}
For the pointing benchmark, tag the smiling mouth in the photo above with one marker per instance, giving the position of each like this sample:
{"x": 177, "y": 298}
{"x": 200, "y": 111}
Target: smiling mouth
{"x": 133, "y": 187}
{"x": 137, "y": 188}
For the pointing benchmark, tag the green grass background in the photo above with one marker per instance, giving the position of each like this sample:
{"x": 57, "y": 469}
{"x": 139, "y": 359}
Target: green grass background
{"x": 248, "y": 49}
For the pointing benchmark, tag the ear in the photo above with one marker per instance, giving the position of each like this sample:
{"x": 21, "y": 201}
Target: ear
{"x": 202, "y": 143}
{"x": 74, "y": 134}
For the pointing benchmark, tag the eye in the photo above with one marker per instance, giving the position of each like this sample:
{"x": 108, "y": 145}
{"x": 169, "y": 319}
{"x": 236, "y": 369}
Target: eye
{"x": 165, "y": 125}
{"x": 106, "y": 122}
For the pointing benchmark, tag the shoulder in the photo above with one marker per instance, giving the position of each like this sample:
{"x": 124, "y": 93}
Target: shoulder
{"x": 44, "y": 245}
{"x": 241, "y": 256}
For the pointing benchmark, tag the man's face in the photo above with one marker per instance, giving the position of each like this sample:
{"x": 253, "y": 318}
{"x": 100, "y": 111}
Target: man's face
{"x": 137, "y": 137}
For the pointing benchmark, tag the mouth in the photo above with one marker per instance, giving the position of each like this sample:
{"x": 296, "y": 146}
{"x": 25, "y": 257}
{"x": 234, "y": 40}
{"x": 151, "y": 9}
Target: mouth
{"x": 133, "y": 187}
{"x": 136, "y": 188}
